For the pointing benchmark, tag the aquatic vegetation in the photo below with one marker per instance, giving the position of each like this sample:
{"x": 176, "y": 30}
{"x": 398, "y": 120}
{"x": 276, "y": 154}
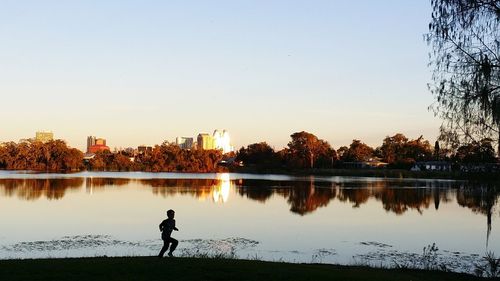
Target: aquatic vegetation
{"x": 431, "y": 258}
{"x": 490, "y": 266}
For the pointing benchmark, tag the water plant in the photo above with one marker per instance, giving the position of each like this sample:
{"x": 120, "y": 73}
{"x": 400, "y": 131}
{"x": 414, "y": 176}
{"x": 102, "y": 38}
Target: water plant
{"x": 490, "y": 266}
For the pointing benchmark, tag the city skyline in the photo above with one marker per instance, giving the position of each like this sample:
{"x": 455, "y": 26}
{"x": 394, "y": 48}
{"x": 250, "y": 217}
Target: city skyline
{"x": 144, "y": 73}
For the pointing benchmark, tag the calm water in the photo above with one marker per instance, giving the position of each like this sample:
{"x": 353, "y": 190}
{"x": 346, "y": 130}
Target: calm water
{"x": 298, "y": 219}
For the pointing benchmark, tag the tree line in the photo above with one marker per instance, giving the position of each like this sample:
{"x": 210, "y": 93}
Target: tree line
{"x": 51, "y": 156}
{"x": 304, "y": 151}
{"x": 56, "y": 156}
{"x": 163, "y": 158}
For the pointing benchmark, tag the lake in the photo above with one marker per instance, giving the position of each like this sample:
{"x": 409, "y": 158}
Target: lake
{"x": 346, "y": 220}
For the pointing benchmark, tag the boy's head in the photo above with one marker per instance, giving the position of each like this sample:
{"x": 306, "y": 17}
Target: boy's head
{"x": 170, "y": 214}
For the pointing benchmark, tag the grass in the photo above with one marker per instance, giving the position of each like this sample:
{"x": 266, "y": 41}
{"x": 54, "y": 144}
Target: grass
{"x": 152, "y": 268}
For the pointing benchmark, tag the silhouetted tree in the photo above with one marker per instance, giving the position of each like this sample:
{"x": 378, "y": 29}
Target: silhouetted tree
{"x": 476, "y": 152}
{"x": 259, "y": 154}
{"x": 437, "y": 151}
{"x": 464, "y": 35}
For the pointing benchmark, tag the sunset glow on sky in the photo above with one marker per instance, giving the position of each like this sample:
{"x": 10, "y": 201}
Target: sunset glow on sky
{"x": 141, "y": 72}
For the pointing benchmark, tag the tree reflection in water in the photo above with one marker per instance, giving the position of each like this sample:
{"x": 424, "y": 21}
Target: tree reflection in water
{"x": 304, "y": 196}
{"x": 33, "y": 189}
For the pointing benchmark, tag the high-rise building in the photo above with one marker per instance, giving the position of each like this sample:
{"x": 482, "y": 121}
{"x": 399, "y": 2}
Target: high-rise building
{"x": 219, "y": 140}
{"x": 205, "y": 141}
{"x": 185, "y": 142}
{"x": 222, "y": 141}
{"x": 90, "y": 142}
{"x": 143, "y": 149}
{"x": 44, "y": 136}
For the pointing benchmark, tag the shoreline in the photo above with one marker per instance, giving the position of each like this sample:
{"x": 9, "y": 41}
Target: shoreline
{"x": 189, "y": 268}
{"x": 375, "y": 173}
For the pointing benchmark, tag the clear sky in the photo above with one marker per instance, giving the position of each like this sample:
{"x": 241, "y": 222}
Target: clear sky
{"x": 141, "y": 72}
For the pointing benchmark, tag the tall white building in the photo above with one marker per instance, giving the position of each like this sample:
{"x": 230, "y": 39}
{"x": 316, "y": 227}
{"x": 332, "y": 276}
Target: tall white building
{"x": 222, "y": 141}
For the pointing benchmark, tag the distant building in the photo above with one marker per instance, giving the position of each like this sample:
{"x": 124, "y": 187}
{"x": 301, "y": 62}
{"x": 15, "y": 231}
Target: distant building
{"x": 88, "y": 156}
{"x": 368, "y": 164}
{"x": 90, "y": 142}
{"x": 431, "y": 166}
{"x": 100, "y": 141}
{"x": 222, "y": 141}
{"x": 205, "y": 141}
{"x": 96, "y": 144}
{"x": 98, "y": 147}
{"x": 26, "y": 140}
{"x": 144, "y": 149}
{"x": 130, "y": 151}
{"x": 185, "y": 142}
{"x": 219, "y": 140}
{"x": 44, "y": 136}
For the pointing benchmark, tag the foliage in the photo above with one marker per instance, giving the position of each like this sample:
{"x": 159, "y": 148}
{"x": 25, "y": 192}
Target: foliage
{"x": 476, "y": 152}
{"x": 464, "y": 35}
{"x": 50, "y": 156}
{"x": 305, "y": 150}
{"x": 491, "y": 266}
{"x": 163, "y": 158}
{"x": 399, "y": 151}
{"x": 357, "y": 151}
{"x": 259, "y": 154}
{"x": 430, "y": 257}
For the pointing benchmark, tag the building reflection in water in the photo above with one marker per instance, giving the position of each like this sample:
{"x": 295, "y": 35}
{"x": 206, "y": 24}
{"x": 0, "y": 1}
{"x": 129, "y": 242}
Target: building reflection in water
{"x": 220, "y": 192}
{"x": 217, "y": 190}
{"x": 99, "y": 184}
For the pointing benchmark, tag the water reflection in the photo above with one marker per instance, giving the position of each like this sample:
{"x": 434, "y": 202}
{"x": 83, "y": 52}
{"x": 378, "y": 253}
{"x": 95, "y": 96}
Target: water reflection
{"x": 33, "y": 189}
{"x": 303, "y": 197}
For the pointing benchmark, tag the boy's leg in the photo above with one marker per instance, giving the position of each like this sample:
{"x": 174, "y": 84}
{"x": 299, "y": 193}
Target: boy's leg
{"x": 173, "y": 246}
{"x": 166, "y": 242}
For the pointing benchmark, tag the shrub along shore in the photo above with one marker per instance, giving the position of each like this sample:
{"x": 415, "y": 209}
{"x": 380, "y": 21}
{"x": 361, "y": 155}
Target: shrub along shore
{"x": 152, "y": 268}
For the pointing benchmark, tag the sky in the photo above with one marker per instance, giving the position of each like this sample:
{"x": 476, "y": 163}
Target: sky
{"x": 142, "y": 72}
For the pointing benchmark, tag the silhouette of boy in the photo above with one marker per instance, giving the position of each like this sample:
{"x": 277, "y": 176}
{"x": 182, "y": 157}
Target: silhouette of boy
{"x": 166, "y": 228}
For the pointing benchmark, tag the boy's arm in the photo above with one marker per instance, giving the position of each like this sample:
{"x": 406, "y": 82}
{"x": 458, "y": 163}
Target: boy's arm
{"x": 161, "y": 226}
{"x": 175, "y": 228}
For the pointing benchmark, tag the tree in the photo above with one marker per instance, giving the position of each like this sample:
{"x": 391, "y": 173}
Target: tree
{"x": 358, "y": 151}
{"x": 418, "y": 149}
{"x": 259, "y": 154}
{"x": 476, "y": 152}
{"x": 464, "y": 35}
{"x": 399, "y": 151}
{"x": 305, "y": 150}
{"x": 392, "y": 147}
{"x": 342, "y": 151}
{"x": 437, "y": 151}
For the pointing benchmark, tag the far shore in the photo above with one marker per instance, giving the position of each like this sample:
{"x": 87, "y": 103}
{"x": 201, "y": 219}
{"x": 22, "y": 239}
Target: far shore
{"x": 374, "y": 172}
{"x": 379, "y": 173}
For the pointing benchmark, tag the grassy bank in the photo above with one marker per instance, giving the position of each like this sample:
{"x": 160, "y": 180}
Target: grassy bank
{"x": 151, "y": 268}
